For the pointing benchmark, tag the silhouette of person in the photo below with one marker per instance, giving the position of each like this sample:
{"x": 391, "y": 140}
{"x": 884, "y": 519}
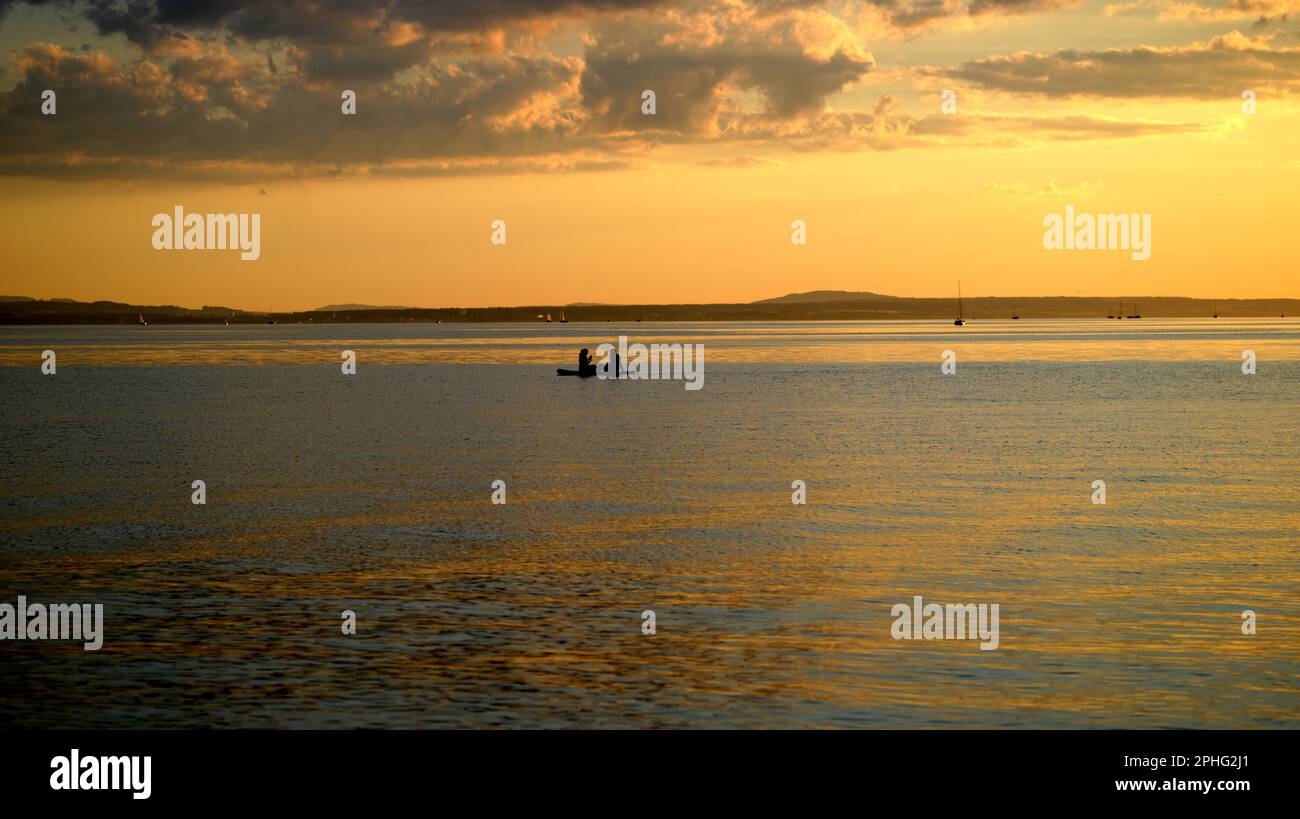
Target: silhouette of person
{"x": 584, "y": 363}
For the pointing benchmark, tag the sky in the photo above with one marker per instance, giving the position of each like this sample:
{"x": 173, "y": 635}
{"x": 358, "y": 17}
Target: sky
{"x": 766, "y": 112}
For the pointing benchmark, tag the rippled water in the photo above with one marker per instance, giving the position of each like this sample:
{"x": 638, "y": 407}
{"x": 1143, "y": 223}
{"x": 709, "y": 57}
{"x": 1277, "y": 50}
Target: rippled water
{"x": 372, "y": 492}
{"x": 726, "y": 342}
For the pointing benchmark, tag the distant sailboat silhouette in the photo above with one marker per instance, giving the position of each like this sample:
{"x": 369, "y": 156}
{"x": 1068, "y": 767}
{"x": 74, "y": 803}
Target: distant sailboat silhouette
{"x": 548, "y": 317}
{"x": 1014, "y": 314}
{"x": 960, "y": 322}
{"x": 563, "y": 320}
{"x": 1136, "y": 314}
{"x": 142, "y": 321}
{"x": 1216, "y": 309}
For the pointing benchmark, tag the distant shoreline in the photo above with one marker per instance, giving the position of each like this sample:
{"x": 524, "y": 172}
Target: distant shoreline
{"x": 882, "y": 308}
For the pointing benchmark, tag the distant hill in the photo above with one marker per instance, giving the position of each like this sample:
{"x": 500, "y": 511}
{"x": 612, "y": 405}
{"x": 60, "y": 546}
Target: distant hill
{"x": 338, "y": 308}
{"x": 823, "y": 297}
{"x": 795, "y": 307}
{"x": 23, "y": 310}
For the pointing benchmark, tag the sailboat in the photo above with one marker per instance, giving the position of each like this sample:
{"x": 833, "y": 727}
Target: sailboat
{"x": 548, "y": 317}
{"x": 563, "y": 320}
{"x": 960, "y": 322}
{"x": 142, "y": 321}
{"x": 1014, "y": 314}
{"x": 1136, "y": 314}
{"x": 1216, "y": 309}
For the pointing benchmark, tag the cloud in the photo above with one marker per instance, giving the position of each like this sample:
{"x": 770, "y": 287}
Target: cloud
{"x": 1191, "y": 10}
{"x": 910, "y": 17}
{"x": 212, "y": 106}
{"x": 714, "y": 65}
{"x": 994, "y": 130}
{"x": 1009, "y": 7}
{"x": 195, "y": 99}
{"x": 319, "y": 21}
{"x": 726, "y": 73}
{"x": 484, "y": 166}
{"x": 1217, "y": 69}
{"x": 738, "y": 162}
{"x": 1051, "y": 190}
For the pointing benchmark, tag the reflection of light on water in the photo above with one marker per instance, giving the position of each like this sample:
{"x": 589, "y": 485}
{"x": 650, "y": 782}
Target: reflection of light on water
{"x": 372, "y": 493}
{"x": 725, "y": 343}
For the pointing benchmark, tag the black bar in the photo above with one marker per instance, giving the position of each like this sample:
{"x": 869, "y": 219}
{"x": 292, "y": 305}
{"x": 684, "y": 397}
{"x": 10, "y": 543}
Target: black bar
{"x": 617, "y": 771}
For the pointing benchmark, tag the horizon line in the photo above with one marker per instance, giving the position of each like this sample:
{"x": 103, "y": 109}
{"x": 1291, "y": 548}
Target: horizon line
{"x": 849, "y": 298}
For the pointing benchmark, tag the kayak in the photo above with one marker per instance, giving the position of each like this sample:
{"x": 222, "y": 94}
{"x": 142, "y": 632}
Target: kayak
{"x": 575, "y": 372}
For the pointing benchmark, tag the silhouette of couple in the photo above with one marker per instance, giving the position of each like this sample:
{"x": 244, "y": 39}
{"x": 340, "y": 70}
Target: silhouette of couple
{"x": 586, "y": 368}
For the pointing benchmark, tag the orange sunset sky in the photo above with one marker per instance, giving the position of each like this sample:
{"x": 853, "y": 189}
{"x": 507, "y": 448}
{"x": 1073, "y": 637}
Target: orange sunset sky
{"x": 767, "y": 111}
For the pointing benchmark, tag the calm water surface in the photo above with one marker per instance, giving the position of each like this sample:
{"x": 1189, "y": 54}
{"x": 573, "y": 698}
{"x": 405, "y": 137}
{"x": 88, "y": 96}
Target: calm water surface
{"x": 372, "y": 492}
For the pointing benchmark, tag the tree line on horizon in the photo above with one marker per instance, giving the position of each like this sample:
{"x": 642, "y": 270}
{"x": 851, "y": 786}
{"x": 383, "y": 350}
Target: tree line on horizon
{"x": 795, "y": 307}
